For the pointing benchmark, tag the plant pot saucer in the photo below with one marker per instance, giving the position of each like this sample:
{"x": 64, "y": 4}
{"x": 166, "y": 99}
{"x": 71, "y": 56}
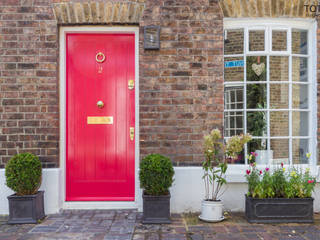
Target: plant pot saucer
{"x": 212, "y": 221}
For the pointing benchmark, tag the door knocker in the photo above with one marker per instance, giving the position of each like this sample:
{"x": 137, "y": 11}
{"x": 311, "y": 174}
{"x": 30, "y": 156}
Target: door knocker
{"x": 100, "y": 57}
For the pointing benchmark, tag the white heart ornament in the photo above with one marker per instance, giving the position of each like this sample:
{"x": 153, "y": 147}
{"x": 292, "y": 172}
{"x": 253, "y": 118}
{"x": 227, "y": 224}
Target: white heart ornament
{"x": 258, "y": 69}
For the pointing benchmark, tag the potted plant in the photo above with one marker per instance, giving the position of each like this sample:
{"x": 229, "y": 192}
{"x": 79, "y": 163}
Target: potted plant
{"x": 215, "y": 167}
{"x": 281, "y": 196}
{"x": 156, "y": 177}
{"x": 23, "y": 175}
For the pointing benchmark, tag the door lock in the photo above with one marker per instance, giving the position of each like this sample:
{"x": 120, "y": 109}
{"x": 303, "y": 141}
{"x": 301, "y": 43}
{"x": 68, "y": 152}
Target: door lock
{"x": 100, "y": 104}
{"x": 131, "y": 133}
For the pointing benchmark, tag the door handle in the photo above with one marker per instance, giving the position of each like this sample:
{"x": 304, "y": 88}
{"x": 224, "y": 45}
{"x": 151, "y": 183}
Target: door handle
{"x": 131, "y": 133}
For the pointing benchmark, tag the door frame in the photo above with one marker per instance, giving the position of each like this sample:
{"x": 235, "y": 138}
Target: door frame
{"x": 137, "y": 203}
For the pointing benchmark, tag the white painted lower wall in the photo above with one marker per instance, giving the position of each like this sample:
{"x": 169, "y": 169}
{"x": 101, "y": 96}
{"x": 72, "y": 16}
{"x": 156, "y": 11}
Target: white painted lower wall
{"x": 186, "y": 192}
{"x": 50, "y": 184}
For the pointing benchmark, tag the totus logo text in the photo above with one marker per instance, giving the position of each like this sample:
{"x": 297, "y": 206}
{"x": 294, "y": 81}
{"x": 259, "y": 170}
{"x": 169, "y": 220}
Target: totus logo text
{"x": 313, "y": 9}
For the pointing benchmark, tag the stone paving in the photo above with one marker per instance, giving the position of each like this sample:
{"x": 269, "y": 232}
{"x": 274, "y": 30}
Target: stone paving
{"x": 126, "y": 224}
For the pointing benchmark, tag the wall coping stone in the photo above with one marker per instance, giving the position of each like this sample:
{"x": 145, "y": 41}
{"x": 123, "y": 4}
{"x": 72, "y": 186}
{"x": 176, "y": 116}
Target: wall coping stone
{"x": 71, "y": 13}
{"x": 266, "y": 8}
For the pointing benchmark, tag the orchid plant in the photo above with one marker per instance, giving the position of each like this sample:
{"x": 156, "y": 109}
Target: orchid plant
{"x": 215, "y": 164}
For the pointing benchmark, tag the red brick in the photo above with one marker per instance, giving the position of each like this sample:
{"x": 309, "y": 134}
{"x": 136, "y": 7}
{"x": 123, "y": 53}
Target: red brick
{"x": 174, "y": 81}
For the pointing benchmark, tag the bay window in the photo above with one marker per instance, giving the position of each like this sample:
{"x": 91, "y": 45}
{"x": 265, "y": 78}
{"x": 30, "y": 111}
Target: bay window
{"x": 270, "y": 89}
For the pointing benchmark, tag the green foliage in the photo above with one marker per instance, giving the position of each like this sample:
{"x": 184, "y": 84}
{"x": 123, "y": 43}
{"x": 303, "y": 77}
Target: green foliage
{"x": 23, "y": 174}
{"x": 280, "y": 183}
{"x": 156, "y": 174}
{"x": 257, "y": 124}
{"x": 215, "y": 164}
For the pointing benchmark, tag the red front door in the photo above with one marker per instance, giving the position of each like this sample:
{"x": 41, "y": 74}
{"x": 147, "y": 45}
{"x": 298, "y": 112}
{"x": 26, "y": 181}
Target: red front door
{"x": 100, "y": 163}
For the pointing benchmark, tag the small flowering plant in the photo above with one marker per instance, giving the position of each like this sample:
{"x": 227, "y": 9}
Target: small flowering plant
{"x": 281, "y": 183}
{"x": 215, "y": 164}
{"x": 252, "y": 157}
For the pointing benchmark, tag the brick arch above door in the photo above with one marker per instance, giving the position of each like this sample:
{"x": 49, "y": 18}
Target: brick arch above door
{"x": 97, "y": 12}
{"x": 266, "y": 8}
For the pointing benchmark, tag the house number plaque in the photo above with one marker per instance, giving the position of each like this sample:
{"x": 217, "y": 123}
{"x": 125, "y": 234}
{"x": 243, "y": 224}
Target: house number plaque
{"x": 100, "y": 120}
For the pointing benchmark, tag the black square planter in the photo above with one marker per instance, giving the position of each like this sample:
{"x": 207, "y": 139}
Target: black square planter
{"x": 279, "y": 210}
{"x": 26, "y": 208}
{"x": 156, "y": 209}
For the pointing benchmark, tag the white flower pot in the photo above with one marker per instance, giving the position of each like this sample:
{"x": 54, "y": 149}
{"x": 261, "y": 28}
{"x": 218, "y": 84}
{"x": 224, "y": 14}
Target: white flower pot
{"x": 211, "y": 211}
{"x": 263, "y": 156}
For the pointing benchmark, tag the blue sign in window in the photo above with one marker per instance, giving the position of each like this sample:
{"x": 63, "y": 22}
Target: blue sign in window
{"x": 231, "y": 64}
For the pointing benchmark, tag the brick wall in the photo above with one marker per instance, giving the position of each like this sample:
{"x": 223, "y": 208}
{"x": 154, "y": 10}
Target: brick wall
{"x": 28, "y": 83}
{"x": 181, "y": 86}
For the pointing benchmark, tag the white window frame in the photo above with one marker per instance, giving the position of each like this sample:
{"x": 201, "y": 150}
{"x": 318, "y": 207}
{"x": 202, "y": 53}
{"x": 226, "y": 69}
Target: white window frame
{"x": 236, "y": 171}
{"x": 236, "y": 102}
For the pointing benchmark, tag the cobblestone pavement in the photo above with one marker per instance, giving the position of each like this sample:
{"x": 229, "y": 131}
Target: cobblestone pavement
{"x": 126, "y": 224}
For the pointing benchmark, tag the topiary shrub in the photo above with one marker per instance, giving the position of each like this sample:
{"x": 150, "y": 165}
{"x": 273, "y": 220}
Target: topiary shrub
{"x": 23, "y": 174}
{"x": 156, "y": 174}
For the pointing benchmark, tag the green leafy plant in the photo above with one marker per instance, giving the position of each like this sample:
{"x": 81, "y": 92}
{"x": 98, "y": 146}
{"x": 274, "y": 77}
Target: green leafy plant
{"x": 215, "y": 165}
{"x": 281, "y": 183}
{"x": 23, "y": 174}
{"x": 156, "y": 174}
{"x": 257, "y": 126}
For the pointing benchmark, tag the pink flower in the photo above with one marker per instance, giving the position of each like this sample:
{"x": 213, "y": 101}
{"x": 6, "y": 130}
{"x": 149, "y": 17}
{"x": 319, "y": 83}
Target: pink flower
{"x": 311, "y": 181}
{"x": 267, "y": 169}
{"x": 282, "y": 165}
{"x": 254, "y": 154}
{"x": 251, "y": 164}
{"x": 260, "y": 172}
{"x": 248, "y": 172}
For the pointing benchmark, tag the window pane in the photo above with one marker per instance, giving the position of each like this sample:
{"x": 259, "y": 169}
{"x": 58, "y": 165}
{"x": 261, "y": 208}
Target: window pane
{"x": 233, "y": 43}
{"x": 300, "y": 147}
{"x": 279, "y": 123}
{"x": 256, "y": 68}
{"x": 257, "y": 123}
{"x": 299, "y": 69}
{"x": 279, "y": 68}
{"x": 256, "y": 40}
{"x": 280, "y": 151}
{"x": 233, "y": 123}
{"x": 260, "y": 147}
{"x": 256, "y": 96}
{"x": 300, "y": 123}
{"x": 299, "y": 96}
{"x": 233, "y": 98}
{"x": 239, "y": 160}
{"x": 279, "y": 96}
{"x": 233, "y": 69}
{"x": 299, "y": 41}
{"x": 279, "y": 40}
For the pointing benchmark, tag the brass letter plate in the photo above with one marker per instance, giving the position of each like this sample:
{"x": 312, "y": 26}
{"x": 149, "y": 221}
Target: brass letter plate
{"x": 100, "y": 120}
